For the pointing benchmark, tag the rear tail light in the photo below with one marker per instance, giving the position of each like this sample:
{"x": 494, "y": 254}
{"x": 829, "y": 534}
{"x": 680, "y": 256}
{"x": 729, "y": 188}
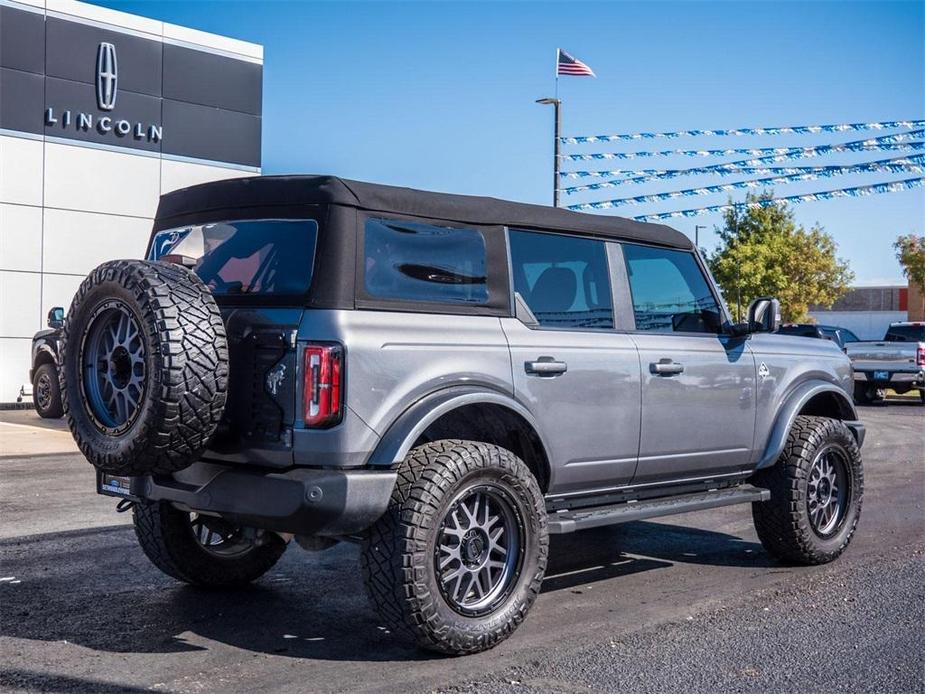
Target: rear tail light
{"x": 920, "y": 356}
{"x": 323, "y": 392}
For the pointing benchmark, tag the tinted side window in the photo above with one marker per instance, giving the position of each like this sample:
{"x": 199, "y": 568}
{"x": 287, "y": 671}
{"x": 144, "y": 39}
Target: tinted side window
{"x": 670, "y": 292}
{"x": 564, "y": 280}
{"x": 423, "y": 262}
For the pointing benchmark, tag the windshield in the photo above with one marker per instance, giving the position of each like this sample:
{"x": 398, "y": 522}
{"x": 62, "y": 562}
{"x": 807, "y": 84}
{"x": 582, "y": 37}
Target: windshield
{"x": 243, "y": 258}
{"x": 914, "y": 332}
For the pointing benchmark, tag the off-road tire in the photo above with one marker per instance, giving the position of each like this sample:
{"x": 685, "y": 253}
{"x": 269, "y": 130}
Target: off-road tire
{"x": 167, "y": 539}
{"x": 186, "y": 367}
{"x": 47, "y": 376}
{"x": 397, "y": 556}
{"x": 782, "y": 523}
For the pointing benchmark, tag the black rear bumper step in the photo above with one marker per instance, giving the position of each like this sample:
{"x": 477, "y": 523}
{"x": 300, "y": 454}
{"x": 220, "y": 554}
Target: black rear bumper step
{"x": 570, "y": 521}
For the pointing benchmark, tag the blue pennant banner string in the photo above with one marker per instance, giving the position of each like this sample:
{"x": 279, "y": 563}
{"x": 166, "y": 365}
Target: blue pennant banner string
{"x": 884, "y": 142}
{"x": 729, "y": 168}
{"x": 785, "y": 130}
{"x": 782, "y": 174}
{"x": 857, "y": 192}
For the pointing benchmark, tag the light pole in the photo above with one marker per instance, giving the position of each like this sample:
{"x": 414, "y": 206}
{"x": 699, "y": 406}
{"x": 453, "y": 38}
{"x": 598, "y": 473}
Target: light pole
{"x": 556, "y": 103}
{"x": 697, "y": 228}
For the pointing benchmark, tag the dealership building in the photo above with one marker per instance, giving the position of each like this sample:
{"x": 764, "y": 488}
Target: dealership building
{"x": 100, "y": 113}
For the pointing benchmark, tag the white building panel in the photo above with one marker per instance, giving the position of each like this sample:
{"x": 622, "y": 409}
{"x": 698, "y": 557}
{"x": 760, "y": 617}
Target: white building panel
{"x": 15, "y": 362}
{"x": 96, "y": 180}
{"x": 58, "y": 290}
{"x": 19, "y": 303}
{"x": 20, "y": 170}
{"x": 20, "y": 237}
{"x": 76, "y": 242}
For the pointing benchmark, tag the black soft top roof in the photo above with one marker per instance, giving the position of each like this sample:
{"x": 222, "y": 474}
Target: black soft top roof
{"x": 291, "y": 191}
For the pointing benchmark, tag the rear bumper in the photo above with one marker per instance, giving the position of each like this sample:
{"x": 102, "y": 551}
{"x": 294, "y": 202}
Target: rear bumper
{"x": 301, "y": 501}
{"x": 916, "y": 378}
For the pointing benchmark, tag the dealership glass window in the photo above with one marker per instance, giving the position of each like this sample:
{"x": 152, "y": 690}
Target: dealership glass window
{"x": 411, "y": 261}
{"x": 564, "y": 279}
{"x": 670, "y": 291}
{"x": 247, "y": 257}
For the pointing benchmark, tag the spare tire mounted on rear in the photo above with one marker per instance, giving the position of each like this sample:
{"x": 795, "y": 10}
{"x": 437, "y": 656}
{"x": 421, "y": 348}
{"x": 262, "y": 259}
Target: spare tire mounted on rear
{"x": 144, "y": 367}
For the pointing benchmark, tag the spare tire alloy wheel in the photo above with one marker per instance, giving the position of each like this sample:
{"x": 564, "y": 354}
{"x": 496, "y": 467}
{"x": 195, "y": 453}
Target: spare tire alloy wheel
{"x": 112, "y": 359}
{"x": 144, "y": 367}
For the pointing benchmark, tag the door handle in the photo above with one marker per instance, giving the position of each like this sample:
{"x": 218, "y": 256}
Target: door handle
{"x": 545, "y": 366}
{"x": 666, "y": 367}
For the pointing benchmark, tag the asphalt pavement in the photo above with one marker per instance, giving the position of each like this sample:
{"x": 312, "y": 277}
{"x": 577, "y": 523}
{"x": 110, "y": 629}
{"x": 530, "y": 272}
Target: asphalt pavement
{"x": 691, "y": 603}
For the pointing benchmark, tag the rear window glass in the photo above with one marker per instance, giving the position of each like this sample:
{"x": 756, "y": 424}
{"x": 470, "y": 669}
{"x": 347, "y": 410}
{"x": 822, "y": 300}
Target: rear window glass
{"x": 906, "y": 333}
{"x": 252, "y": 257}
{"x": 410, "y": 261}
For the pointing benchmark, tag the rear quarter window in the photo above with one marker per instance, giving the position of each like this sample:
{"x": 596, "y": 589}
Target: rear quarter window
{"x": 416, "y": 262}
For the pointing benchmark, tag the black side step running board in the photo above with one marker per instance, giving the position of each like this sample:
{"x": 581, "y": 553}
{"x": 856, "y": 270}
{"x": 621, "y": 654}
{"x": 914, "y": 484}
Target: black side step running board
{"x": 579, "y": 519}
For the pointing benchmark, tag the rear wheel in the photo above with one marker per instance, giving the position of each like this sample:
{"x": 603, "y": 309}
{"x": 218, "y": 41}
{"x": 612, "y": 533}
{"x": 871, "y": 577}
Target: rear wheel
{"x": 46, "y": 393}
{"x": 816, "y": 486}
{"x": 204, "y": 550}
{"x": 458, "y": 559}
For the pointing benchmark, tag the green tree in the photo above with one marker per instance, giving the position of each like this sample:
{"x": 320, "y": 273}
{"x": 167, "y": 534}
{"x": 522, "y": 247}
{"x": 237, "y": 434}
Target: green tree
{"x": 763, "y": 252}
{"x": 910, "y": 251}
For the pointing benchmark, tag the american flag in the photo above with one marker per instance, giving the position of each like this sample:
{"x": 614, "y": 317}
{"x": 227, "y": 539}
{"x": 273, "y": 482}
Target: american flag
{"x": 567, "y": 65}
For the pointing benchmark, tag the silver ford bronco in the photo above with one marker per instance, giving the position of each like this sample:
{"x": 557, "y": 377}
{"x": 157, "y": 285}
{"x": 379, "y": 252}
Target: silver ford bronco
{"x": 445, "y": 380}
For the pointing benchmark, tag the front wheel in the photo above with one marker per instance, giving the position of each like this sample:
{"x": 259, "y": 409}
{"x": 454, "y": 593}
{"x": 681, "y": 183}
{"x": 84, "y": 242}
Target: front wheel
{"x": 816, "y": 486}
{"x": 458, "y": 558}
{"x": 204, "y": 550}
{"x": 46, "y": 393}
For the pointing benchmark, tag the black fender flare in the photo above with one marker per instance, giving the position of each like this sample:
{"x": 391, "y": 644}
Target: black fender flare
{"x": 792, "y": 407}
{"x": 410, "y": 424}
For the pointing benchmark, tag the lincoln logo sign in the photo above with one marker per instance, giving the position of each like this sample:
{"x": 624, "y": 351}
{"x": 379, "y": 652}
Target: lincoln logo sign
{"x": 107, "y": 76}
{"x": 107, "y": 85}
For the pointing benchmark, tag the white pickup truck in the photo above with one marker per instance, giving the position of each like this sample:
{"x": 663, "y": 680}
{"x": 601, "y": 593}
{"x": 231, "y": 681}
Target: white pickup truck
{"x": 896, "y": 362}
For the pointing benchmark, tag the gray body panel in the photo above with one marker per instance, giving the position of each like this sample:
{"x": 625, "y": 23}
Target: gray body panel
{"x": 702, "y": 420}
{"x": 589, "y": 413}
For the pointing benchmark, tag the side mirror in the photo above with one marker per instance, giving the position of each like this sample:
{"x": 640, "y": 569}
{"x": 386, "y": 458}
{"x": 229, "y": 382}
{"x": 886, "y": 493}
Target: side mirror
{"x": 56, "y": 318}
{"x": 764, "y": 315}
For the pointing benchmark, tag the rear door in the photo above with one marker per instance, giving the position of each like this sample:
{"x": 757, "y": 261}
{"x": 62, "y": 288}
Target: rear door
{"x": 698, "y": 385}
{"x": 572, "y": 367}
{"x": 259, "y": 271}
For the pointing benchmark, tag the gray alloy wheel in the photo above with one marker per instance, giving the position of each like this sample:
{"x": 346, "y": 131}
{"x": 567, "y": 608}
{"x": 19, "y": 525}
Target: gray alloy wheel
{"x": 828, "y": 490}
{"x": 478, "y": 551}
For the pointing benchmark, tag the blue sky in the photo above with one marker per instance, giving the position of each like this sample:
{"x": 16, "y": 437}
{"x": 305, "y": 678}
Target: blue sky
{"x": 440, "y": 95}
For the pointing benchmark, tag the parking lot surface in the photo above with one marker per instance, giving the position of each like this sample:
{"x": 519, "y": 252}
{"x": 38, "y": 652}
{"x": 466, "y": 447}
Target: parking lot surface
{"x": 690, "y": 603}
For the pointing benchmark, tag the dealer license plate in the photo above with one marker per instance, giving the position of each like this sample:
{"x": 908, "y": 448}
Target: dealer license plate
{"x": 113, "y": 485}
{"x": 881, "y": 376}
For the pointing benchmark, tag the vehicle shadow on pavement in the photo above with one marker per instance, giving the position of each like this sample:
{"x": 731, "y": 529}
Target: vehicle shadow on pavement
{"x": 621, "y": 550}
{"x": 96, "y": 589}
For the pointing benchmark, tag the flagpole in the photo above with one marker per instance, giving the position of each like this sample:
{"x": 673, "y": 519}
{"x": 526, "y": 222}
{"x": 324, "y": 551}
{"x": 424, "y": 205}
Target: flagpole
{"x": 556, "y": 128}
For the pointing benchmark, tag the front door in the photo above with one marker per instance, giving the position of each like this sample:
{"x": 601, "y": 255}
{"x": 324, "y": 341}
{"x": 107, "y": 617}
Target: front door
{"x": 577, "y": 374}
{"x": 698, "y": 385}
